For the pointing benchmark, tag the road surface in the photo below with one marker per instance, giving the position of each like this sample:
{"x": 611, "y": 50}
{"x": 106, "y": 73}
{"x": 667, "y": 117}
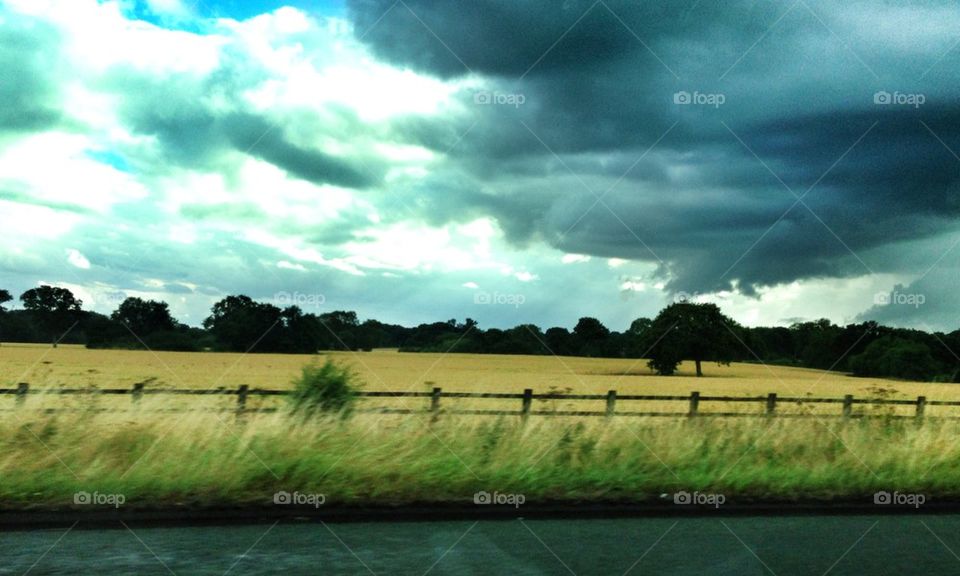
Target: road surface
{"x": 741, "y": 546}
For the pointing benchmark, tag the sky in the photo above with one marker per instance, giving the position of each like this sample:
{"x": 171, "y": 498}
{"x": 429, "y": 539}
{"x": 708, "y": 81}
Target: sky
{"x": 512, "y": 162}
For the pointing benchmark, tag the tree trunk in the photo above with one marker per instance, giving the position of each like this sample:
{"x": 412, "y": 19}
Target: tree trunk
{"x": 699, "y": 370}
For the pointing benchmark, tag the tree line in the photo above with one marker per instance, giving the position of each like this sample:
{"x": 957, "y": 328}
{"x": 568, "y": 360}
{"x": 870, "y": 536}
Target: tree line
{"x": 696, "y": 332}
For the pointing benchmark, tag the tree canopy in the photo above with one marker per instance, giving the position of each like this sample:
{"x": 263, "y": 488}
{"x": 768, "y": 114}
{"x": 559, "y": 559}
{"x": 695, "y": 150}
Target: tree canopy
{"x": 144, "y": 317}
{"x": 691, "y": 331}
{"x": 55, "y": 309}
{"x": 685, "y": 331}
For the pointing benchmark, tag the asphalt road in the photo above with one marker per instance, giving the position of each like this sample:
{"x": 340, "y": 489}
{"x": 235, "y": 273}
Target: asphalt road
{"x": 742, "y": 546}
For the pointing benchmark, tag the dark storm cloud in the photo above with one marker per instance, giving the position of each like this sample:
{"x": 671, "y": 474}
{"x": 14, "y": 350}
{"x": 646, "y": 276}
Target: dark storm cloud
{"x": 194, "y": 133}
{"x": 260, "y": 138}
{"x": 711, "y": 204}
{"x": 508, "y": 38}
{"x": 29, "y": 89}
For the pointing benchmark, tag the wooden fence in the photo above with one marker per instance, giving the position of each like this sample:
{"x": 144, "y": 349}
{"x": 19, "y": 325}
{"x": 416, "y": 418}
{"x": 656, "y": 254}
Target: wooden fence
{"x": 769, "y": 402}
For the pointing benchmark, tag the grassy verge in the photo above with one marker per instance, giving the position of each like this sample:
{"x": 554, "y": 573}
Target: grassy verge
{"x": 161, "y": 460}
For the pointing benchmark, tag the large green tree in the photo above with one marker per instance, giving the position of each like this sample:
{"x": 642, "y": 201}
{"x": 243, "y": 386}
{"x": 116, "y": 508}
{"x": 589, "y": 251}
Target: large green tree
{"x": 691, "y": 331}
{"x": 54, "y": 309}
{"x": 591, "y": 335}
{"x": 240, "y": 324}
{"x": 144, "y": 317}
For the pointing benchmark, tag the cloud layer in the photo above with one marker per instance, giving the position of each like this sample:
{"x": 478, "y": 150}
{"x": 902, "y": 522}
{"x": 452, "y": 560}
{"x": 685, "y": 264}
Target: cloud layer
{"x": 788, "y": 159}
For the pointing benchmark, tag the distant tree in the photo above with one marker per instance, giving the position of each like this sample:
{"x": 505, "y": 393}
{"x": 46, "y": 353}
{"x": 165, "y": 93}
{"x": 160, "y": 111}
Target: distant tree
{"x": 817, "y": 343}
{"x": 895, "y": 357}
{"x": 591, "y": 335}
{"x": 590, "y": 330}
{"x": 635, "y": 338}
{"x": 615, "y": 345}
{"x": 4, "y": 298}
{"x": 375, "y": 334}
{"x": 339, "y": 330}
{"x": 144, "y": 317}
{"x": 560, "y": 341}
{"x": 690, "y": 331}
{"x": 522, "y": 339}
{"x": 370, "y": 335}
{"x": 775, "y": 345}
{"x": 241, "y": 324}
{"x": 54, "y": 309}
{"x": 341, "y": 318}
{"x": 300, "y": 333}
{"x": 448, "y": 337}
{"x": 950, "y": 342}
{"x": 639, "y": 326}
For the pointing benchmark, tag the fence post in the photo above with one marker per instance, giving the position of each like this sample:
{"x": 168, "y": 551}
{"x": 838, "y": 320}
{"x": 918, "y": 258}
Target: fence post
{"x": 921, "y": 406}
{"x": 771, "y": 403}
{"x": 22, "y": 389}
{"x": 242, "y": 398}
{"x": 527, "y": 402}
{"x": 694, "y": 403}
{"x": 435, "y": 403}
{"x": 847, "y": 405}
{"x": 611, "y": 403}
{"x": 137, "y": 393}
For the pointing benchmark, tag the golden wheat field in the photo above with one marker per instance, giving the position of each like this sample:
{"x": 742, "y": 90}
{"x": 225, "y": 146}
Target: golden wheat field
{"x": 388, "y": 370}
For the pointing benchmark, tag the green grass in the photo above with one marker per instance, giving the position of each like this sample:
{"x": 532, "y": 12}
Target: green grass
{"x": 160, "y": 460}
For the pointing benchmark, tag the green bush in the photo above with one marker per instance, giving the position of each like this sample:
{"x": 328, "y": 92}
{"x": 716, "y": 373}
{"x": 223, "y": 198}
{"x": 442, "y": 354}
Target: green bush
{"x": 326, "y": 388}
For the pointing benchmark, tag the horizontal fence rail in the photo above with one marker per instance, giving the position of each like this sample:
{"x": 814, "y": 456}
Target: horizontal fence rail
{"x": 770, "y": 402}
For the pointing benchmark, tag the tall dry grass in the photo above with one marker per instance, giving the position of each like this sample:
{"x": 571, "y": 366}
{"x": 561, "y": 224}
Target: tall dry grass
{"x": 204, "y": 459}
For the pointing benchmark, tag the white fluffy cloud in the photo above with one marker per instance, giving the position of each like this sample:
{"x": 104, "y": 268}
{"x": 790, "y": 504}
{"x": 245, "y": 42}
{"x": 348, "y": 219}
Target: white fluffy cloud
{"x": 78, "y": 260}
